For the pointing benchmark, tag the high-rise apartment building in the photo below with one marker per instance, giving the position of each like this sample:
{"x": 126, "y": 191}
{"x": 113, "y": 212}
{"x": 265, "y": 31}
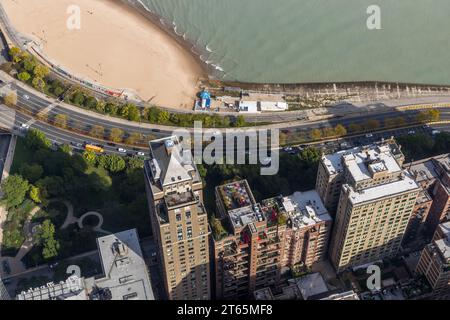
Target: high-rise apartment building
{"x": 434, "y": 262}
{"x": 179, "y": 219}
{"x": 375, "y": 205}
{"x": 433, "y": 174}
{"x": 259, "y": 241}
{"x": 332, "y": 175}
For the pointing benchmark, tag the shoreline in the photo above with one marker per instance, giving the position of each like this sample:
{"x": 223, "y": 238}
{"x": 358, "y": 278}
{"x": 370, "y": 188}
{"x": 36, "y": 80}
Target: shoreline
{"x": 209, "y": 70}
{"x": 116, "y": 47}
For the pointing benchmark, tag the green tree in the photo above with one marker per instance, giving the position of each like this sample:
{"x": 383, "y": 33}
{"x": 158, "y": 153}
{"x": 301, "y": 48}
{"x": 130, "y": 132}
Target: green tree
{"x": 163, "y": 117}
{"x": 112, "y": 163}
{"x": 355, "y": 128}
{"x": 24, "y": 76}
{"x": 35, "y": 195}
{"x": 78, "y": 98}
{"x": 61, "y": 120}
{"x": 91, "y": 103}
{"x": 51, "y": 185}
{"x": 240, "y": 121}
{"x": 372, "y": 124}
{"x": 46, "y": 238}
{"x": 36, "y": 139}
{"x": 65, "y": 148}
{"x": 31, "y": 172}
{"x": 15, "y": 189}
{"x": 340, "y": 130}
{"x": 133, "y": 138}
{"x": 38, "y": 83}
{"x": 316, "y": 134}
{"x": 41, "y": 71}
{"x": 116, "y": 135}
{"x": 15, "y": 54}
{"x": 111, "y": 108}
{"x": 97, "y": 132}
{"x": 10, "y": 99}
{"x": 90, "y": 157}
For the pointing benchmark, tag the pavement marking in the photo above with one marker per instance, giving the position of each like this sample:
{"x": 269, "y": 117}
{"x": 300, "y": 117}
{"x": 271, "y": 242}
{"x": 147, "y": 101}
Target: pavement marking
{"x": 41, "y": 113}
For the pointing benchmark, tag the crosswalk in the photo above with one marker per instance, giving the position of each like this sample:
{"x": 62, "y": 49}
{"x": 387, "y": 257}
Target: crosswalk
{"x": 41, "y": 113}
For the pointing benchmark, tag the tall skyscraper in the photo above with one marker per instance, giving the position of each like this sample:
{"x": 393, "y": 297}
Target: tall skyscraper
{"x": 434, "y": 262}
{"x": 376, "y": 202}
{"x": 179, "y": 220}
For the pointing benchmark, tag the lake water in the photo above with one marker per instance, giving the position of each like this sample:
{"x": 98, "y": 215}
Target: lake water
{"x": 290, "y": 41}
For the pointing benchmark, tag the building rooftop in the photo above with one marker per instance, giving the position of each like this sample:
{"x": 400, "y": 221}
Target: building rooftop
{"x": 407, "y": 183}
{"x": 311, "y": 285}
{"x": 125, "y": 275}
{"x": 71, "y": 289}
{"x": 305, "y": 209}
{"x": 236, "y": 195}
{"x": 443, "y": 244}
{"x": 170, "y": 163}
{"x": 363, "y": 162}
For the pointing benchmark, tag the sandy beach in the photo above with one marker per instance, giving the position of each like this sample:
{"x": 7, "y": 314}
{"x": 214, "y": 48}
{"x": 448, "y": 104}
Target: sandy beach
{"x": 115, "y": 47}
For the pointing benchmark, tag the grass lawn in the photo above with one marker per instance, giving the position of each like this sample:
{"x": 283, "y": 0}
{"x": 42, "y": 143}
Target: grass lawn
{"x": 22, "y": 154}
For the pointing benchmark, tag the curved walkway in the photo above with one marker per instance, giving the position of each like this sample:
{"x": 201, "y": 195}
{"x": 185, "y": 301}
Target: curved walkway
{"x": 15, "y": 263}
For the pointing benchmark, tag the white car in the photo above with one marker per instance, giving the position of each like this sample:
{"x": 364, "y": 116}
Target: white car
{"x": 141, "y": 154}
{"x": 26, "y": 97}
{"x": 121, "y": 150}
{"x": 25, "y": 126}
{"x": 369, "y": 135}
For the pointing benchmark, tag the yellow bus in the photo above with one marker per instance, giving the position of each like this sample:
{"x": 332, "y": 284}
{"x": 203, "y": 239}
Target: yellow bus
{"x": 90, "y": 147}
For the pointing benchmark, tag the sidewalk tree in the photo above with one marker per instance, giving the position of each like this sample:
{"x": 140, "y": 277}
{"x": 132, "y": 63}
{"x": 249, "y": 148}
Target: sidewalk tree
{"x": 372, "y": 124}
{"x": 10, "y": 99}
{"x": 15, "y": 54}
{"x": 61, "y": 120}
{"x": 41, "y": 71}
{"x": 112, "y": 163}
{"x": 316, "y": 134}
{"x": 36, "y": 139}
{"x": 90, "y": 157}
{"x": 97, "y": 132}
{"x": 340, "y": 130}
{"x": 24, "y": 76}
{"x": 116, "y": 135}
{"x": 15, "y": 189}
{"x": 38, "y": 83}
{"x": 355, "y": 128}
{"x": 133, "y": 138}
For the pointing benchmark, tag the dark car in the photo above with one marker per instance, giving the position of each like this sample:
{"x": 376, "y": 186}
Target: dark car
{"x": 111, "y": 144}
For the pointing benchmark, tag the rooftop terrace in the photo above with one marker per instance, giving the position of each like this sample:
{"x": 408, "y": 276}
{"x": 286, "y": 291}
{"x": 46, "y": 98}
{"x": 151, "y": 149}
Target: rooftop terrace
{"x": 236, "y": 195}
{"x": 363, "y": 162}
{"x": 407, "y": 183}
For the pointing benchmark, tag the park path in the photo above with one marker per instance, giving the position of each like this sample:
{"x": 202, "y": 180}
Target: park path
{"x": 15, "y": 263}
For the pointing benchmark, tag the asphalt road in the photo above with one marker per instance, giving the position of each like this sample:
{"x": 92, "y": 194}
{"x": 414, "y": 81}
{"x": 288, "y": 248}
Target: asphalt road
{"x": 27, "y": 100}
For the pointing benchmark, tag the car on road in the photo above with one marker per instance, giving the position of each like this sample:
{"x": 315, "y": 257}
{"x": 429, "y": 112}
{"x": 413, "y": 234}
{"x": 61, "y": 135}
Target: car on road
{"x": 53, "y": 265}
{"x": 141, "y": 154}
{"x": 111, "y": 144}
{"x": 122, "y": 150}
{"x": 25, "y": 126}
{"x": 411, "y": 132}
{"x": 77, "y": 145}
{"x": 26, "y": 97}
{"x": 435, "y": 132}
{"x": 369, "y": 135}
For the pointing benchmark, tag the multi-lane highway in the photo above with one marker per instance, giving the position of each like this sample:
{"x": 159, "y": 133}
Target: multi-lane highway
{"x": 32, "y": 103}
